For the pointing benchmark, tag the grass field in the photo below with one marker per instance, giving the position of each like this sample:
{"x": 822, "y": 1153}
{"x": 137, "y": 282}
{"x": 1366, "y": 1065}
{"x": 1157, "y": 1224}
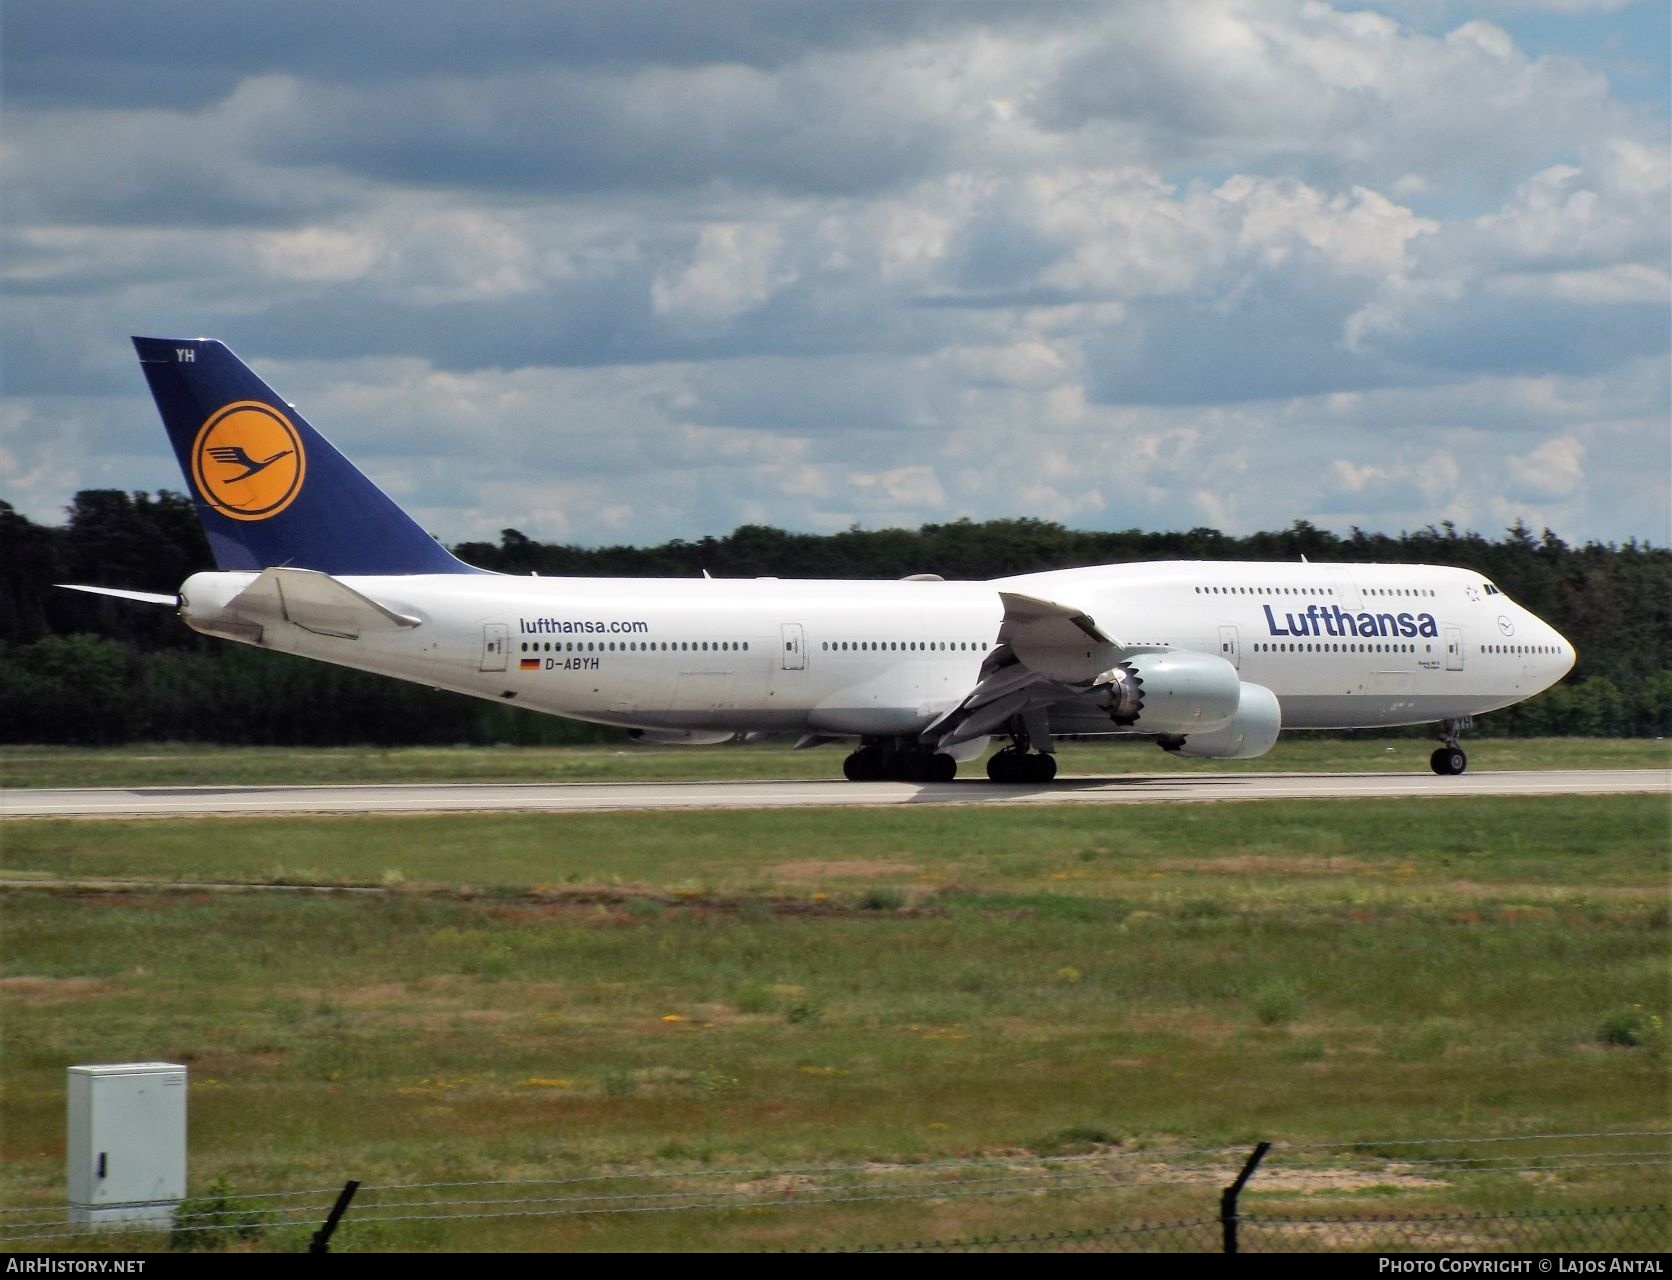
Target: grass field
{"x": 550, "y": 996}
{"x": 174, "y": 765}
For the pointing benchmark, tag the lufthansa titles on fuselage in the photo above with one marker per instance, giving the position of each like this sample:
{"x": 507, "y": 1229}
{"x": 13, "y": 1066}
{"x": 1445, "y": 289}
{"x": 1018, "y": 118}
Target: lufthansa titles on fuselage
{"x": 1333, "y": 620}
{"x": 583, "y": 627}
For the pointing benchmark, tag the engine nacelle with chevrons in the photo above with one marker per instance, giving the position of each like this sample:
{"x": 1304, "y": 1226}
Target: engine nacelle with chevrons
{"x": 1173, "y": 691}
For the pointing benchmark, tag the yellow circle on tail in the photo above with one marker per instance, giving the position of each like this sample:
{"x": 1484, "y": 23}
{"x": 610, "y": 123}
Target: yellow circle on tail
{"x": 248, "y": 462}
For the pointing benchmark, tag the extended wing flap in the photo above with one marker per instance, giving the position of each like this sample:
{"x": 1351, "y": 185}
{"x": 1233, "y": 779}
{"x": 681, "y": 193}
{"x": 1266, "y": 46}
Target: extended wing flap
{"x": 316, "y": 602}
{"x": 1007, "y": 688}
{"x": 1047, "y": 651}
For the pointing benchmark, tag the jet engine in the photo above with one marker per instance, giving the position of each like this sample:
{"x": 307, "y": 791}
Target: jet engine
{"x": 1173, "y": 691}
{"x": 1251, "y": 732}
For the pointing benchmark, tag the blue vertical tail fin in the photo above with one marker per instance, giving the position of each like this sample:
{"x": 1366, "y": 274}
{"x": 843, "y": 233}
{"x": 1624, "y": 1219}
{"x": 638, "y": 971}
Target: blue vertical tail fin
{"x": 269, "y": 489}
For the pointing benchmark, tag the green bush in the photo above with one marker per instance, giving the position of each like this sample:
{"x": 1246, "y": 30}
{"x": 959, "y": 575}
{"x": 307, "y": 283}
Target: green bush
{"x": 1629, "y": 1028}
{"x": 804, "y": 1014}
{"x": 1276, "y": 1002}
{"x": 213, "y": 1221}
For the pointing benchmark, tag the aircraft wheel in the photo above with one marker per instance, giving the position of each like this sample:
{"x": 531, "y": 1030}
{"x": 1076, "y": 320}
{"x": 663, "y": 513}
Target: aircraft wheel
{"x": 1448, "y": 761}
{"x": 1041, "y": 767}
{"x": 1004, "y": 766}
{"x": 941, "y": 768}
{"x": 860, "y": 766}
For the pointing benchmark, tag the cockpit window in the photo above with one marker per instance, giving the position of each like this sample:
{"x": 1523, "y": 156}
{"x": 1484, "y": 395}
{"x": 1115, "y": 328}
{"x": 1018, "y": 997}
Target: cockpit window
{"x": 1492, "y": 590}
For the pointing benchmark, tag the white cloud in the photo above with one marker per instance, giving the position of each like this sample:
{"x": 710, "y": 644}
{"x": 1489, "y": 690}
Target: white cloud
{"x": 1358, "y": 232}
{"x": 1564, "y": 6}
{"x": 1226, "y": 262}
{"x": 914, "y": 488}
{"x": 317, "y": 254}
{"x": 733, "y": 268}
{"x": 1552, "y": 472}
{"x": 1620, "y": 282}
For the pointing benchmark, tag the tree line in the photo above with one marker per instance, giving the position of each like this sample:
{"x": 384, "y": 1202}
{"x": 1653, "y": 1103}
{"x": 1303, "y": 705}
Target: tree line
{"x": 76, "y": 668}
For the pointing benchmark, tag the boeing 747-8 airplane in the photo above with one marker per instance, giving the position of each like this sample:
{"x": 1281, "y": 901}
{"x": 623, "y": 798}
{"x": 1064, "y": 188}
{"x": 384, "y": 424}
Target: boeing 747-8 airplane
{"x": 1210, "y": 659}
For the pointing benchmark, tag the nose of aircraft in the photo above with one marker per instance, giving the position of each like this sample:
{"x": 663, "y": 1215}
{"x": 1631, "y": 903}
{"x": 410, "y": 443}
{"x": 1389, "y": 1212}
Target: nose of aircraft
{"x": 1558, "y": 654}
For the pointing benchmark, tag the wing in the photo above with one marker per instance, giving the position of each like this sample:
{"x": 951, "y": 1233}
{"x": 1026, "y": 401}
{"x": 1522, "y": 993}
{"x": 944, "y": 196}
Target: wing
{"x": 1047, "y": 652}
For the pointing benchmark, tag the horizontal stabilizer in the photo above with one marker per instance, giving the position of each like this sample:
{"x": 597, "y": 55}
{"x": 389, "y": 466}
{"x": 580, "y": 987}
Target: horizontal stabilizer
{"x": 144, "y": 597}
{"x": 316, "y": 602}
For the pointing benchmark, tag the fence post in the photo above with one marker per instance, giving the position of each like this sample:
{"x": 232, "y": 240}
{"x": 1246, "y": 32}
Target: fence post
{"x": 1228, "y": 1197}
{"x": 321, "y": 1242}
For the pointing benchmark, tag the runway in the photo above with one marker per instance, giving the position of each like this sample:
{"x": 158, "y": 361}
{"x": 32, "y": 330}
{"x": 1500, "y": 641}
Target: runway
{"x": 581, "y": 797}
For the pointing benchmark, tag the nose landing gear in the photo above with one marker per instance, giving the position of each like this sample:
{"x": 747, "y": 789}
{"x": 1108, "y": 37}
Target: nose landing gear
{"x": 1449, "y": 759}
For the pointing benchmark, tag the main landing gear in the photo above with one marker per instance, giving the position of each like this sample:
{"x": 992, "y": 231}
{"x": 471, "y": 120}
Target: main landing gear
{"x": 890, "y": 760}
{"x": 1449, "y": 760}
{"x": 904, "y": 760}
{"x": 1017, "y": 763}
{"x": 1012, "y": 765}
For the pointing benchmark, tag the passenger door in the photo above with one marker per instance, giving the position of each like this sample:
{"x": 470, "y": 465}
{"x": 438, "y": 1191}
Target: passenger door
{"x": 1454, "y": 648}
{"x": 496, "y": 646}
{"x": 793, "y": 647}
{"x": 1229, "y": 648}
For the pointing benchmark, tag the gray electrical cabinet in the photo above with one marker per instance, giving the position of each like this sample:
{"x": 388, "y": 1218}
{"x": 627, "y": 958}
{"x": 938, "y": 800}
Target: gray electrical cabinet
{"x": 127, "y": 1142}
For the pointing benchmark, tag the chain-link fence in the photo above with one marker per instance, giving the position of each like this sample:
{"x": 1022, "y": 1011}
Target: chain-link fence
{"x": 1285, "y": 1198}
{"x": 1201, "y": 1236}
{"x": 1646, "y": 1229}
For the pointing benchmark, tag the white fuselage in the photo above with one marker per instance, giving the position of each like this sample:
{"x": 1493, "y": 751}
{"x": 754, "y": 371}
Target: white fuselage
{"x": 1341, "y": 646}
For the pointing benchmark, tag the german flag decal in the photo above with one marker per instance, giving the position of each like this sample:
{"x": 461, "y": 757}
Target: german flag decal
{"x": 530, "y": 664}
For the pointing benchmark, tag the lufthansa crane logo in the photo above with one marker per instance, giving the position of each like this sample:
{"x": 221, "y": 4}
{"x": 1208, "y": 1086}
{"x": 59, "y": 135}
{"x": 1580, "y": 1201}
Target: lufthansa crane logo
{"x": 248, "y": 462}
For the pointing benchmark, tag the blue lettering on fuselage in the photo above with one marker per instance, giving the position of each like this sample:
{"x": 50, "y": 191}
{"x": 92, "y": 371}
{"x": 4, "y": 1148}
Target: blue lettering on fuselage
{"x": 581, "y": 627}
{"x": 1333, "y": 620}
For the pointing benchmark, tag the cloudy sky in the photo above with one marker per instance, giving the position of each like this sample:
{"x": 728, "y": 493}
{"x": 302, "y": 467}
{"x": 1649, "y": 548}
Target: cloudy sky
{"x": 636, "y": 271}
